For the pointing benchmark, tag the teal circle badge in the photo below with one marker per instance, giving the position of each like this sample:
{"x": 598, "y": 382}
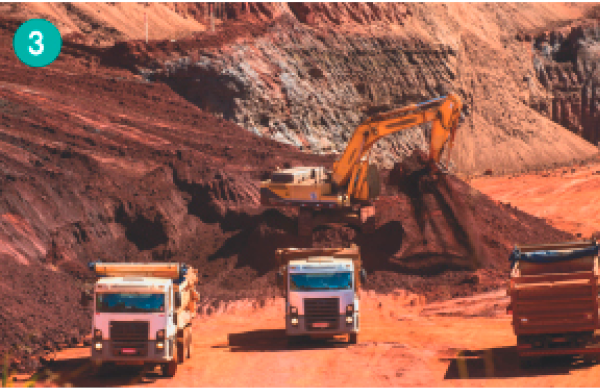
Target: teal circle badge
{"x": 37, "y": 43}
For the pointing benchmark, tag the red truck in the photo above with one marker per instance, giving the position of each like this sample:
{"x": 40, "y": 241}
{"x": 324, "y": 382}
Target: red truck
{"x": 553, "y": 291}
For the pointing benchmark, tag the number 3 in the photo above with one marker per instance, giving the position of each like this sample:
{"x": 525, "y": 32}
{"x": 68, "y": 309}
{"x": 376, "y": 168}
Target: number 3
{"x": 40, "y": 50}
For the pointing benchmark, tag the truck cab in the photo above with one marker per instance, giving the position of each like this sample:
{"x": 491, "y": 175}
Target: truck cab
{"x": 143, "y": 319}
{"x": 321, "y": 288}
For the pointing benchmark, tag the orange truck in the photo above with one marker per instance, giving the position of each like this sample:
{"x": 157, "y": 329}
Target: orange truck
{"x": 553, "y": 291}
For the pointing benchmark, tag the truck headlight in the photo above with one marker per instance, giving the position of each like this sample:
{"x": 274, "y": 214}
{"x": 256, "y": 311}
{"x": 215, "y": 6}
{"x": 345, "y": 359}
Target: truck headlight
{"x": 160, "y": 335}
{"x": 98, "y": 345}
{"x": 97, "y": 334}
{"x": 160, "y": 339}
{"x": 294, "y": 315}
{"x": 349, "y": 314}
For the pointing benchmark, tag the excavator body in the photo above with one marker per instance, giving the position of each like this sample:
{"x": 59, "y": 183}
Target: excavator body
{"x": 346, "y": 194}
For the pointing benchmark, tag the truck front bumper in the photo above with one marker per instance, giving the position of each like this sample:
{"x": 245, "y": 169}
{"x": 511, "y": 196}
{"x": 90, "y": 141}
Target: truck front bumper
{"x": 339, "y": 326}
{"x": 130, "y": 352}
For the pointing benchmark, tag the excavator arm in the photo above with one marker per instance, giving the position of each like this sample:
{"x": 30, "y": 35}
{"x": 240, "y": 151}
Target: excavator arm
{"x": 443, "y": 112}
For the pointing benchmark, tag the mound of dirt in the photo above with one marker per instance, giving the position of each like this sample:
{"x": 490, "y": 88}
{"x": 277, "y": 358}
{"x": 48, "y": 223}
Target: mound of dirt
{"x": 435, "y": 236}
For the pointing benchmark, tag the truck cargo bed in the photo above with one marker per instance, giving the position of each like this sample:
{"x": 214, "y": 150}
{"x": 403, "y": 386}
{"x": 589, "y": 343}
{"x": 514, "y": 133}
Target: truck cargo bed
{"x": 554, "y": 298}
{"x": 555, "y": 303}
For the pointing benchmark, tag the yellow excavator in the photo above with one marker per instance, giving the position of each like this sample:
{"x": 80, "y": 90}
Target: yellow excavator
{"x": 346, "y": 193}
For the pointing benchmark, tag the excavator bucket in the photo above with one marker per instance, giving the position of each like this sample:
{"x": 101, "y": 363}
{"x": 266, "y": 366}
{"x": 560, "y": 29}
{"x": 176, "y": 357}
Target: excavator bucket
{"x": 443, "y": 131}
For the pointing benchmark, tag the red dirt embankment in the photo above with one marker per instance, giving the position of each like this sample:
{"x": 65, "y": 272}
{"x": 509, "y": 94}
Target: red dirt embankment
{"x": 96, "y": 164}
{"x": 566, "y": 197}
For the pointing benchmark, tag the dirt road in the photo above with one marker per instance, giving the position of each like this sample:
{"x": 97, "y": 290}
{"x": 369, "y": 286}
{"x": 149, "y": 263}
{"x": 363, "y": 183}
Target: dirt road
{"x": 461, "y": 342}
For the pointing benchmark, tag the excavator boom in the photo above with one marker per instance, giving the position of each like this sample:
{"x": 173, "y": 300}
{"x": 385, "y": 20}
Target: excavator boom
{"x": 444, "y": 112}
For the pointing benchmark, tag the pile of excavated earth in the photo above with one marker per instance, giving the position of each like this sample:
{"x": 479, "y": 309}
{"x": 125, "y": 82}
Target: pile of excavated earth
{"x": 97, "y": 162}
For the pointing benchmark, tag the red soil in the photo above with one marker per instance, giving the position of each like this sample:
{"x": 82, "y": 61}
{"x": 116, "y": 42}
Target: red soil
{"x": 96, "y": 164}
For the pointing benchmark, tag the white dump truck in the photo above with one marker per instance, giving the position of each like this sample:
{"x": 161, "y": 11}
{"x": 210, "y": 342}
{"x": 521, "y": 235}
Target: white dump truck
{"x": 321, "y": 291}
{"x": 143, "y": 314}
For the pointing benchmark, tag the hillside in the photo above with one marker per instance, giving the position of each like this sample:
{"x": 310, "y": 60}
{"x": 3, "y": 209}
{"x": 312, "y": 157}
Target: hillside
{"x": 305, "y": 74}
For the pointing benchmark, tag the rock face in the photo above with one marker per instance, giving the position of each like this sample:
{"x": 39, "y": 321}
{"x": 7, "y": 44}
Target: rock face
{"x": 310, "y": 80}
{"x": 309, "y": 13}
{"x": 306, "y": 73}
{"x": 566, "y": 64}
{"x": 311, "y": 90}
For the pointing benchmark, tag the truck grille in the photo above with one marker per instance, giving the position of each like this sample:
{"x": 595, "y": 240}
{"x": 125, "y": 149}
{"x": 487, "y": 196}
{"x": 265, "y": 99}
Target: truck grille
{"x": 129, "y": 330}
{"x": 321, "y": 313}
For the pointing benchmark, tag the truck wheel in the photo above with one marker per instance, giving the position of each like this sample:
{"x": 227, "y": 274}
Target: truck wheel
{"x": 181, "y": 353}
{"x": 188, "y": 348}
{"x": 294, "y": 340}
{"x": 169, "y": 369}
{"x": 95, "y": 367}
{"x": 529, "y": 362}
{"x": 524, "y": 363}
{"x": 353, "y": 338}
{"x": 590, "y": 359}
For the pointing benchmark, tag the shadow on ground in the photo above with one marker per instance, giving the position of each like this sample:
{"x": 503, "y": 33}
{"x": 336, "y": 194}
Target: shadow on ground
{"x": 80, "y": 372}
{"x": 276, "y": 341}
{"x": 497, "y": 363}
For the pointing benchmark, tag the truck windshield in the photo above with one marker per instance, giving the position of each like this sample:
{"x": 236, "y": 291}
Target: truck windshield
{"x": 321, "y": 281}
{"x": 130, "y": 303}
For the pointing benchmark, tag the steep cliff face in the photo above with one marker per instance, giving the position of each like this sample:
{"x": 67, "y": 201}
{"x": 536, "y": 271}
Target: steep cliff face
{"x": 306, "y": 73}
{"x": 310, "y": 13}
{"x": 566, "y": 63}
{"x": 105, "y": 23}
{"x": 309, "y": 81}
{"x": 311, "y": 89}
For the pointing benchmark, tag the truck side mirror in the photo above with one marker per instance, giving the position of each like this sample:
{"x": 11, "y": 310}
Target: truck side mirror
{"x": 363, "y": 276}
{"x": 280, "y": 279}
{"x": 177, "y": 300}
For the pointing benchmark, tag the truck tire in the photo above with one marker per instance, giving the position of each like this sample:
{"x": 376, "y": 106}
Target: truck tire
{"x": 353, "y": 338}
{"x": 181, "y": 345}
{"x": 529, "y": 362}
{"x": 95, "y": 367}
{"x": 188, "y": 347}
{"x": 590, "y": 359}
{"x": 169, "y": 369}
{"x": 293, "y": 340}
